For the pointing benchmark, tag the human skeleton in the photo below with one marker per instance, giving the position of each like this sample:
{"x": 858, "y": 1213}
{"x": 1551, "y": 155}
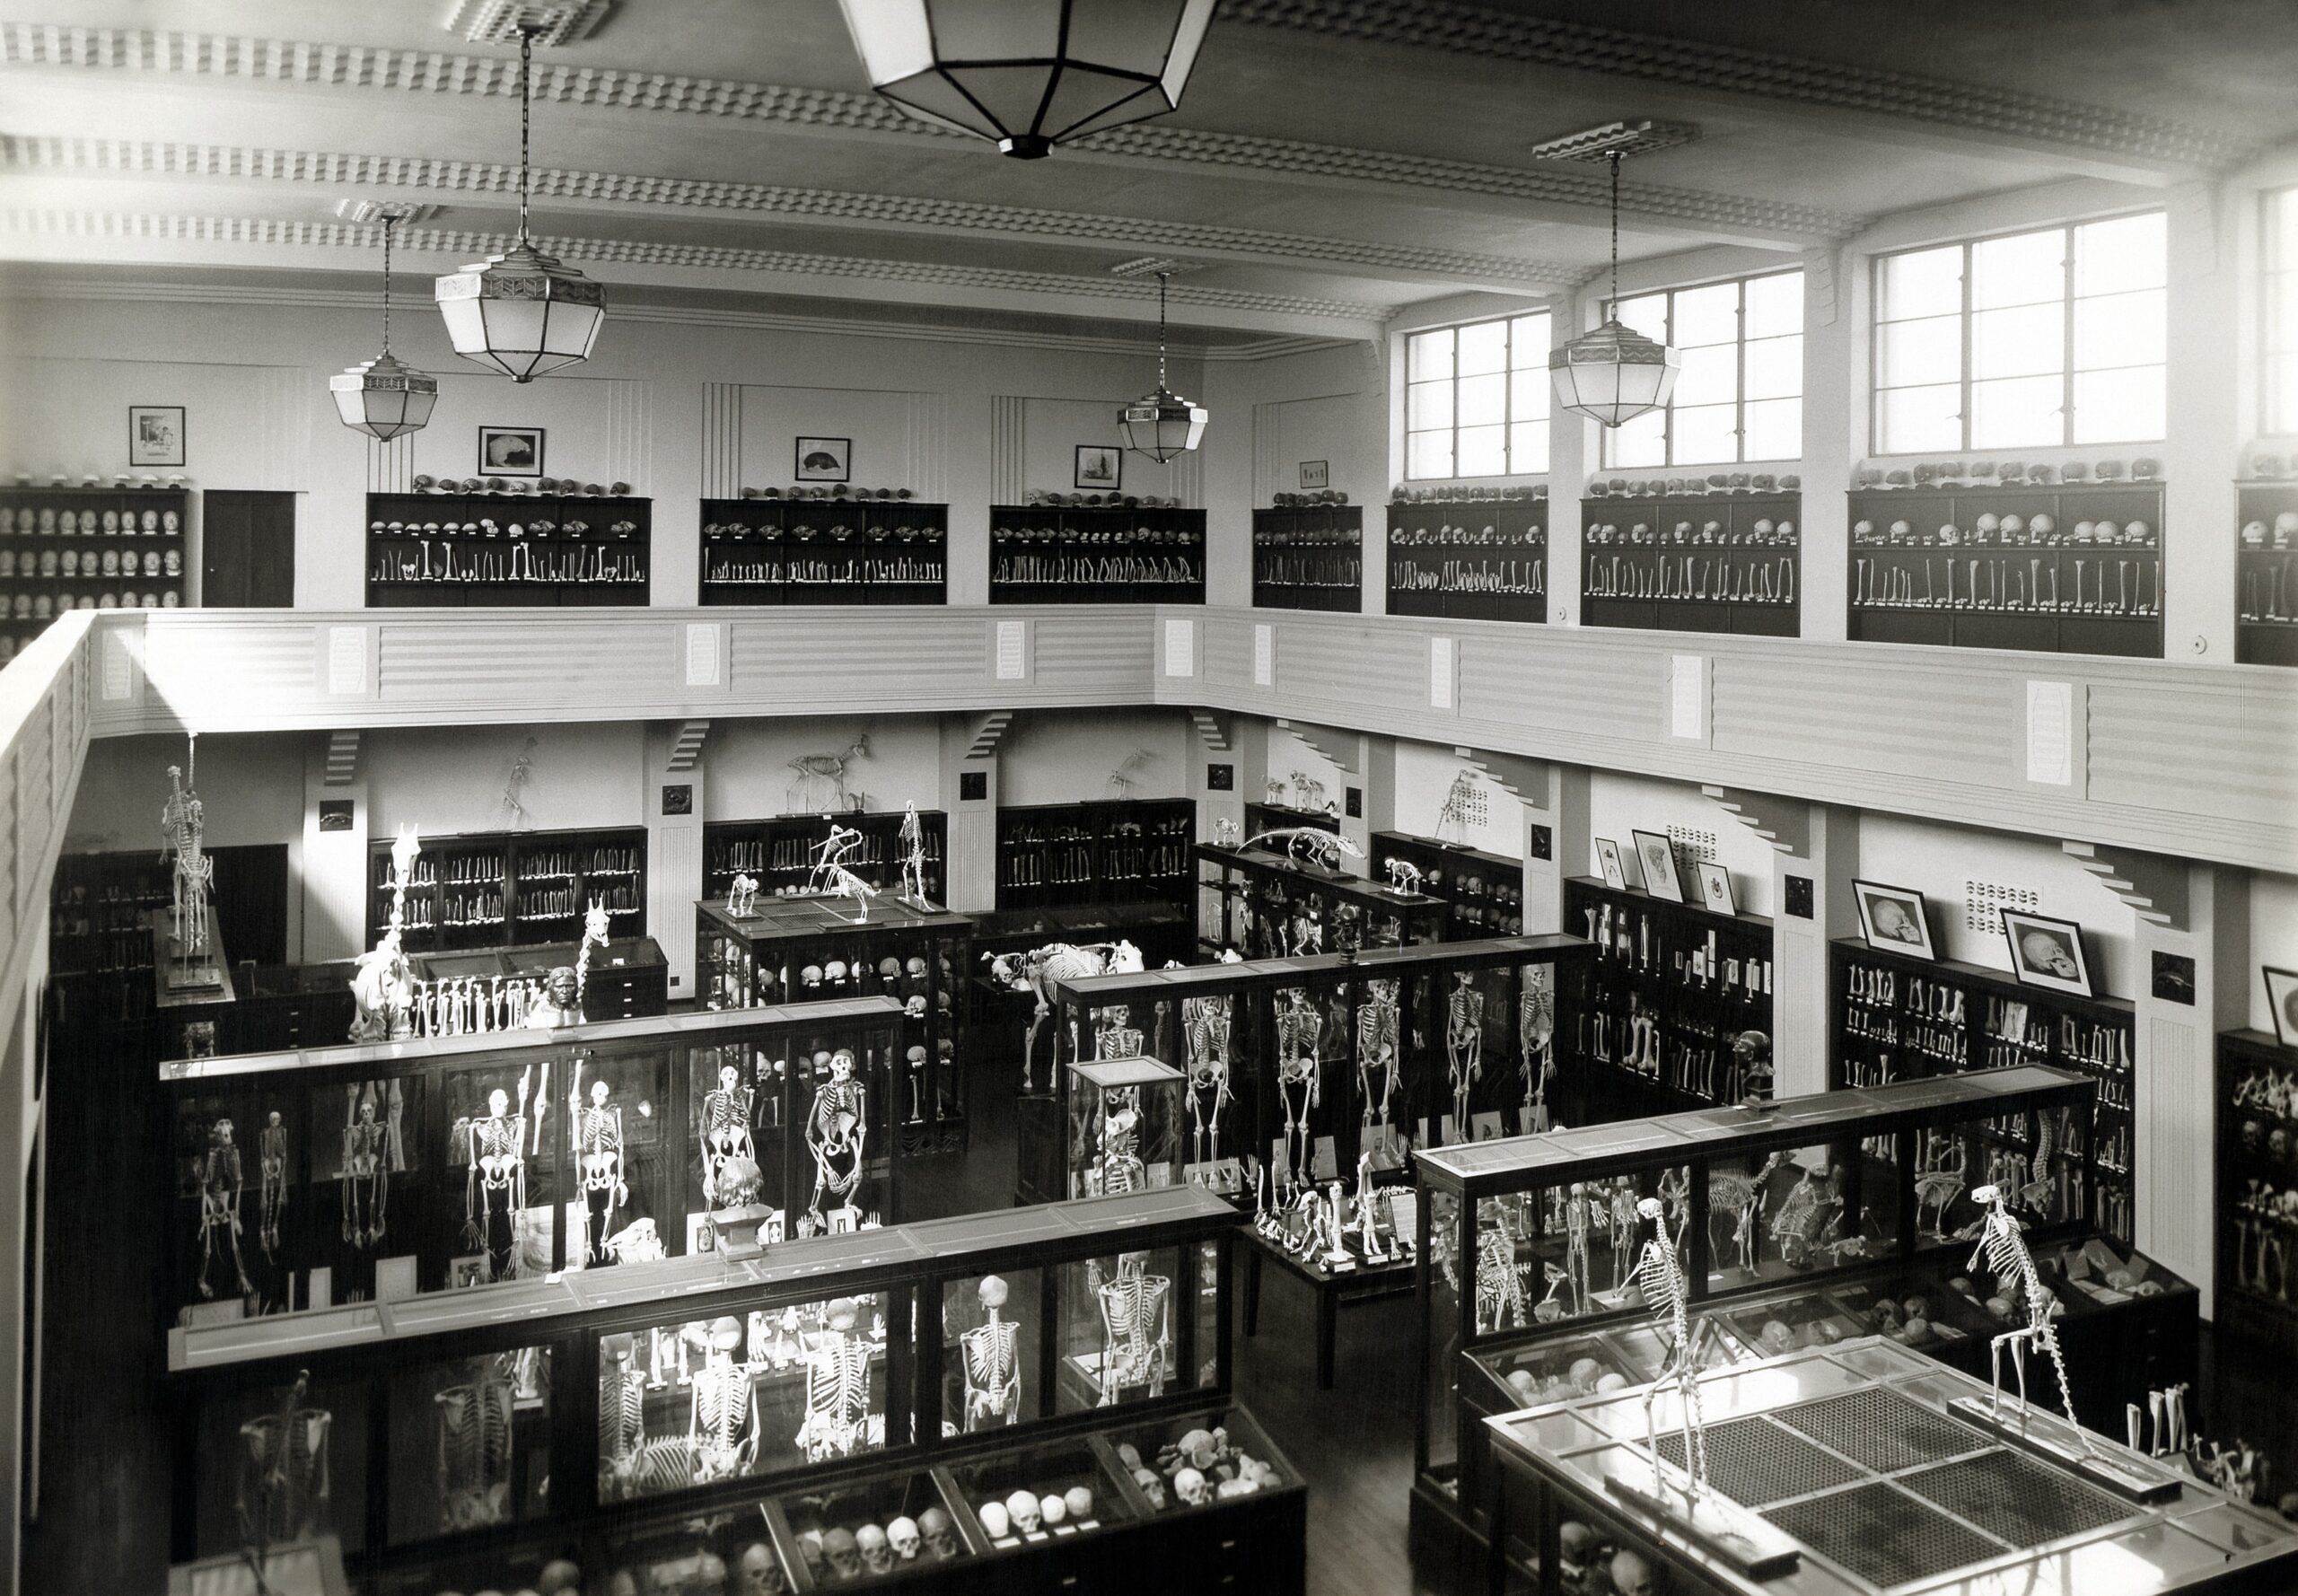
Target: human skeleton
{"x": 282, "y": 1476}
{"x": 1579, "y": 1223}
{"x": 1299, "y": 1083}
{"x": 494, "y": 1191}
{"x": 992, "y": 1354}
{"x": 218, "y": 1170}
{"x": 2004, "y": 1249}
{"x": 271, "y": 1167}
{"x": 725, "y": 1127}
{"x": 182, "y": 823}
{"x": 1205, "y": 1024}
{"x": 1116, "y": 1037}
{"x": 474, "y": 1450}
{"x": 838, "y": 1387}
{"x": 1377, "y": 1032}
{"x": 1137, "y": 1330}
{"x": 622, "y": 1417}
{"x": 1661, "y": 1278}
{"x": 723, "y": 1420}
{"x": 1117, "y": 1166}
{"x": 366, "y": 1176}
{"x": 1463, "y": 1045}
{"x": 837, "y": 1127}
{"x": 1499, "y": 1281}
{"x": 597, "y": 1130}
{"x": 1536, "y": 1035}
{"x": 913, "y": 855}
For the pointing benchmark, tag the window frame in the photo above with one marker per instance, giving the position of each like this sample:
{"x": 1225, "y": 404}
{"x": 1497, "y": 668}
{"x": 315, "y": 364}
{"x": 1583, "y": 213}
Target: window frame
{"x": 2068, "y": 300}
{"x": 1508, "y": 370}
{"x": 1739, "y": 281}
{"x": 2273, "y": 270}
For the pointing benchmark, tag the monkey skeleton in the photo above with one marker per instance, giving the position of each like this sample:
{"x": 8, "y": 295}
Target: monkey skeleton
{"x": 837, "y": 1127}
{"x": 2004, "y": 1249}
{"x": 221, "y": 1183}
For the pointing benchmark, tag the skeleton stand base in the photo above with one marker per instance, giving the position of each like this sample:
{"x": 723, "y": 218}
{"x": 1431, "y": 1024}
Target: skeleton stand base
{"x": 1719, "y": 1527}
{"x": 196, "y": 978}
{"x": 2046, "y": 1437}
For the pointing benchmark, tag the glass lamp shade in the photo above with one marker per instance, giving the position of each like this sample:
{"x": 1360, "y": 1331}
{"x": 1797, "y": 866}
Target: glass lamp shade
{"x": 522, "y": 312}
{"x": 1027, "y": 74}
{"x": 1162, "y": 425}
{"x": 384, "y": 397}
{"x": 1612, "y": 375}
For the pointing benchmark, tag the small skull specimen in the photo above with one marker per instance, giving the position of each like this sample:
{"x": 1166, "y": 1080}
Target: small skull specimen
{"x": 903, "y": 1536}
{"x": 940, "y": 1535}
{"x": 762, "y": 1574}
{"x": 1153, "y": 1487}
{"x": 1054, "y": 1510}
{"x": 1022, "y": 1509}
{"x": 844, "y": 1552}
{"x": 994, "y": 1524}
{"x": 877, "y": 1551}
{"x": 1192, "y": 1487}
{"x": 1079, "y": 1501}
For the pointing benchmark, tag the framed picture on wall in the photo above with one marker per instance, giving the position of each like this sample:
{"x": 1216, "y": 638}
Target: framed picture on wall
{"x": 823, "y": 459}
{"x": 1714, "y": 886}
{"x": 1608, "y": 859}
{"x": 1099, "y": 465}
{"x": 155, "y": 435}
{"x": 510, "y": 451}
{"x": 2281, "y": 997}
{"x": 1316, "y": 473}
{"x": 2047, "y": 952}
{"x": 1657, "y": 854}
{"x": 1892, "y": 920}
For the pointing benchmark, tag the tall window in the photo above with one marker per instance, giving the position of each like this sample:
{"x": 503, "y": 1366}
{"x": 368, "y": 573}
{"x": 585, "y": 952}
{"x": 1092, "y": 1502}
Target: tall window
{"x": 2280, "y": 317}
{"x": 2040, "y": 338}
{"x": 1476, "y": 399}
{"x": 1739, "y": 394}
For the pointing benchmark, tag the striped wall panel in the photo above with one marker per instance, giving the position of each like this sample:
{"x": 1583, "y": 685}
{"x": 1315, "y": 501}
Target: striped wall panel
{"x": 2161, "y": 748}
{"x": 451, "y": 662}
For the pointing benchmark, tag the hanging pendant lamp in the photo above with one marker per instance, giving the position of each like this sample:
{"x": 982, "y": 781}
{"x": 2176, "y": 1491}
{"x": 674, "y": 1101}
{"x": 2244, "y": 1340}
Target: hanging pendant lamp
{"x": 384, "y": 397}
{"x": 1614, "y": 374}
{"x": 521, "y": 312}
{"x": 1162, "y": 424}
{"x": 1028, "y": 75}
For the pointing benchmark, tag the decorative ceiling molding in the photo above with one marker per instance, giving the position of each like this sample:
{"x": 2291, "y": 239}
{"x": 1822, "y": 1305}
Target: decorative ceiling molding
{"x": 431, "y": 73}
{"x": 1693, "y": 64}
{"x": 592, "y": 252}
{"x": 498, "y": 22}
{"x": 150, "y": 157}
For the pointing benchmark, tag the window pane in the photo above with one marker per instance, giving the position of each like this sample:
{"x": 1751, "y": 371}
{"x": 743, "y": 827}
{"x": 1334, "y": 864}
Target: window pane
{"x": 1774, "y": 368}
{"x": 2119, "y": 329}
{"x": 2024, "y": 270}
{"x": 1642, "y": 442}
{"x": 2281, "y": 230}
{"x": 2021, "y": 343}
{"x": 2282, "y": 312}
{"x": 1710, "y": 376}
{"x": 1484, "y": 348}
{"x": 1528, "y": 395}
{"x": 1910, "y": 420}
{"x": 1483, "y": 451}
{"x": 1483, "y": 400}
{"x": 2123, "y": 406}
{"x": 2282, "y": 393}
{"x": 1774, "y": 305}
{"x": 1648, "y": 314}
{"x": 1705, "y": 434}
{"x": 2017, "y": 412}
{"x": 1926, "y": 283}
{"x": 1428, "y": 454}
{"x": 1708, "y": 315}
{"x": 1431, "y": 354}
{"x": 2126, "y": 253}
{"x": 1427, "y": 405}
{"x": 1528, "y": 447}
{"x": 1774, "y": 430}
{"x": 1915, "y": 351}
{"x": 1528, "y": 341}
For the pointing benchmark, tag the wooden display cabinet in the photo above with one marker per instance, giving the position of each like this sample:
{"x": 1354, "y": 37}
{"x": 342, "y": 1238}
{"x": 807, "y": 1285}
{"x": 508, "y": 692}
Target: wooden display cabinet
{"x": 492, "y": 550}
{"x": 502, "y": 888}
{"x": 1265, "y": 905}
{"x": 1470, "y": 559}
{"x": 1485, "y": 891}
{"x": 1109, "y": 553}
{"x": 1308, "y": 557}
{"x": 1052, "y": 855}
{"x": 2265, "y": 575}
{"x": 65, "y": 548}
{"x": 824, "y": 551}
{"x": 779, "y": 853}
{"x": 1726, "y": 562}
{"x": 2256, "y": 1233}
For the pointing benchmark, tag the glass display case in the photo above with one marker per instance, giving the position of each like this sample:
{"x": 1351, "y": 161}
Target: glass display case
{"x": 812, "y": 949}
{"x": 1795, "y": 1224}
{"x": 1266, "y": 902}
{"x": 1124, "y": 1116}
{"x": 378, "y": 1171}
{"x": 790, "y": 1412}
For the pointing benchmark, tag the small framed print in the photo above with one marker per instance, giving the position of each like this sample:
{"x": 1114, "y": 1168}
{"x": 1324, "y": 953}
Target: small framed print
{"x": 1219, "y": 779}
{"x": 1099, "y": 466}
{"x": 155, "y": 435}
{"x": 1714, "y": 886}
{"x": 1609, "y": 860}
{"x": 510, "y": 451}
{"x": 1316, "y": 473}
{"x": 2046, "y": 953}
{"x": 1657, "y": 855}
{"x": 1892, "y": 920}
{"x": 2281, "y": 997}
{"x": 823, "y": 459}
{"x": 677, "y": 798}
{"x": 335, "y": 814}
{"x": 2174, "y": 977}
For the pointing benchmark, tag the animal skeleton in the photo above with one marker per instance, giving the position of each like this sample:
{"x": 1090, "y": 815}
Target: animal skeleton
{"x": 1039, "y": 967}
{"x": 1137, "y": 1331}
{"x": 838, "y": 1387}
{"x": 1299, "y": 1075}
{"x": 1661, "y": 1278}
{"x": 913, "y": 855}
{"x": 992, "y": 1353}
{"x": 1376, "y": 1052}
{"x": 521, "y": 772}
{"x": 1204, "y": 1023}
{"x": 837, "y": 1127}
{"x": 383, "y": 993}
{"x": 1308, "y": 791}
{"x": 741, "y": 894}
{"x": 271, "y": 1166}
{"x": 1536, "y": 1036}
{"x": 1741, "y": 1193}
{"x": 725, "y": 1127}
{"x": 282, "y": 1478}
{"x": 218, "y": 1170}
{"x": 495, "y": 1189}
{"x": 1311, "y": 845}
{"x": 1938, "y": 1179}
{"x": 474, "y": 1450}
{"x": 182, "y": 823}
{"x": 1463, "y": 1045}
{"x": 1121, "y": 782}
{"x": 2005, "y": 1250}
{"x": 811, "y": 773}
{"x": 1578, "y": 1221}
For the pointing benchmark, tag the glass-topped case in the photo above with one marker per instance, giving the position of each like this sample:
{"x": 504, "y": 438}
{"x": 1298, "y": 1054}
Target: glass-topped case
{"x": 372, "y": 1173}
{"x": 1264, "y": 902}
{"x": 812, "y": 948}
{"x": 1123, "y": 1114}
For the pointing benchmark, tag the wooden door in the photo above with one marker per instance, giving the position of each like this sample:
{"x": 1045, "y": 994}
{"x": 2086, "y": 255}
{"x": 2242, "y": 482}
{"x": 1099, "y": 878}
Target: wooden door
{"x": 246, "y": 550}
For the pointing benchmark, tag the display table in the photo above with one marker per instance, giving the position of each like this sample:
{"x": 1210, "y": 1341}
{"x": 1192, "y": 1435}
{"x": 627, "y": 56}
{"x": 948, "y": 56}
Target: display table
{"x": 1853, "y": 1455}
{"x": 1334, "y": 1289}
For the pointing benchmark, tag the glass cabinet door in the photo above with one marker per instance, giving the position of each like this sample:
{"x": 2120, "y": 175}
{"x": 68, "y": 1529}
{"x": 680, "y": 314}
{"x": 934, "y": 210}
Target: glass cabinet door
{"x": 500, "y": 1156}
{"x": 469, "y": 1444}
{"x": 288, "y": 1461}
{"x": 842, "y": 1099}
{"x": 1118, "y": 1329}
{"x": 991, "y": 1336}
{"x": 621, "y": 1166}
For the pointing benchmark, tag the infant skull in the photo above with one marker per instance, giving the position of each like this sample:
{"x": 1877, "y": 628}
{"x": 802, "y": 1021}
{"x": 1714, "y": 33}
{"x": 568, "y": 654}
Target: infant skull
{"x": 1152, "y": 1486}
{"x": 877, "y": 1551}
{"x": 939, "y": 1533}
{"x": 993, "y": 1522}
{"x": 762, "y": 1574}
{"x": 1022, "y": 1509}
{"x": 1055, "y": 1510}
{"x": 1192, "y": 1487}
{"x": 903, "y": 1537}
{"x": 844, "y": 1552}
{"x": 1079, "y": 1501}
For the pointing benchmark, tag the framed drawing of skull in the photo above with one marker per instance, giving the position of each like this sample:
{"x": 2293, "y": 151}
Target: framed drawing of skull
{"x": 2281, "y": 997}
{"x": 2046, "y": 953}
{"x": 1892, "y": 919}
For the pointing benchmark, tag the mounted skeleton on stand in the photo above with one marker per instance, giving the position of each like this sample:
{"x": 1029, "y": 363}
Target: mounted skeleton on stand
{"x": 725, "y": 1133}
{"x": 382, "y": 994}
{"x": 723, "y": 1421}
{"x": 2005, "y": 1250}
{"x": 474, "y": 1450}
{"x": 282, "y": 1478}
{"x": 1299, "y": 1083}
{"x": 1038, "y": 969}
{"x": 1536, "y": 1036}
{"x": 810, "y": 774}
{"x": 1307, "y": 845}
{"x": 370, "y": 1153}
{"x": 597, "y": 1131}
{"x": 1205, "y": 1029}
{"x": 831, "y": 879}
{"x": 913, "y": 856}
{"x": 221, "y": 1184}
{"x": 1659, "y": 1276}
{"x": 1118, "y": 1168}
{"x": 182, "y": 824}
{"x": 1378, "y": 1029}
{"x": 494, "y": 1191}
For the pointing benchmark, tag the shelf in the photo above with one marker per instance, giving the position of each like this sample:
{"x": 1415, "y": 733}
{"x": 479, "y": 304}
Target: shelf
{"x": 779, "y": 852}
{"x": 469, "y": 891}
{"x": 34, "y": 546}
{"x": 1485, "y": 891}
{"x": 1041, "y": 555}
{"x": 451, "y": 550}
{"x": 1470, "y": 559}
{"x": 824, "y": 551}
{"x": 1693, "y": 563}
{"x": 1110, "y": 851}
{"x": 1309, "y": 557}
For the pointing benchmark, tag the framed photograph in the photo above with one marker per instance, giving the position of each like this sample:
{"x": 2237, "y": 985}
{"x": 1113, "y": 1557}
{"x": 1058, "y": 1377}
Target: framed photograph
{"x": 2281, "y": 997}
{"x": 1316, "y": 473}
{"x": 1892, "y": 920}
{"x": 823, "y": 459}
{"x": 1714, "y": 886}
{"x": 510, "y": 451}
{"x": 2174, "y": 977}
{"x": 1608, "y": 857}
{"x": 1099, "y": 466}
{"x": 155, "y": 435}
{"x": 2047, "y": 952}
{"x": 1657, "y": 854}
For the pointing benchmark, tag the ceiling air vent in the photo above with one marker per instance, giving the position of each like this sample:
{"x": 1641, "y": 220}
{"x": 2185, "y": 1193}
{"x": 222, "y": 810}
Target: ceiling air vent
{"x": 1624, "y": 138}
{"x": 497, "y": 21}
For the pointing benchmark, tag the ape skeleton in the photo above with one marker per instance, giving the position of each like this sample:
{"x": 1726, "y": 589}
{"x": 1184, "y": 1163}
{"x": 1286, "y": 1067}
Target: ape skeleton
{"x": 1299, "y": 1075}
{"x": 1463, "y": 1045}
{"x": 365, "y": 1174}
{"x": 723, "y": 1420}
{"x": 991, "y": 1356}
{"x": 837, "y": 1127}
{"x": 217, "y": 1172}
{"x": 1536, "y": 1034}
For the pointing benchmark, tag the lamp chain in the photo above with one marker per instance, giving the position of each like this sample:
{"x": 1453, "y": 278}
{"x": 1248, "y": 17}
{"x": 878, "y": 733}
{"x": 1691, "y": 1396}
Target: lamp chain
{"x": 1612, "y": 310}
{"x": 1160, "y": 331}
{"x": 388, "y": 220}
{"x": 526, "y": 115}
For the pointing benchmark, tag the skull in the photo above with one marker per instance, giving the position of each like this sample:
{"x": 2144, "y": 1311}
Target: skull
{"x": 1574, "y": 1542}
{"x": 1192, "y": 1487}
{"x": 1152, "y": 1486}
{"x": 1198, "y": 1449}
{"x": 1584, "y": 1374}
{"x": 994, "y": 1524}
{"x": 1022, "y": 1509}
{"x": 915, "y": 1007}
{"x": 915, "y": 968}
{"x": 811, "y": 976}
{"x": 622, "y": 1582}
{"x": 2279, "y": 1143}
{"x": 1631, "y": 1575}
{"x": 2045, "y": 953}
{"x": 810, "y": 1547}
{"x": 844, "y": 1553}
{"x": 1128, "y": 1455}
{"x": 903, "y": 1537}
{"x": 890, "y": 968}
{"x": 877, "y": 1552}
{"x": 1055, "y": 1509}
{"x": 761, "y": 1575}
{"x": 558, "y": 1575}
{"x": 834, "y": 972}
{"x": 2252, "y": 1132}
{"x": 1079, "y": 1502}
{"x": 941, "y": 1539}
{"x": 709, "y": 1575}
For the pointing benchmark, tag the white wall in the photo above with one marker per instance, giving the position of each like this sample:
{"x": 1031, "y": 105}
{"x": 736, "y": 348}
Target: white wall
{"x": 450, "y": 779}
{"x": 1288, "y": 753}
{"x": 751, "y": 777}
{"x": 1425, "y": 776}
{"x": 887, "y": 452}
{"x": 1621, "y": 804}
{"x": 251, "y": 791}
{"x": 1058, "y": 757}
{"x": 1051, "y": 430}
{"x": 2273, "y": 939}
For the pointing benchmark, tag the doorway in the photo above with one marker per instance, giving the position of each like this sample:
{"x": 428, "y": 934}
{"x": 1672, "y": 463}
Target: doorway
{"x": 246, "y": 550}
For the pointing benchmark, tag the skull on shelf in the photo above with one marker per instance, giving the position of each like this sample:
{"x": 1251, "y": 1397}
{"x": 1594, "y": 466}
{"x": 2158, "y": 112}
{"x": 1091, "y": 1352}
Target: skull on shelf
{"x": 915, "y": 1007}
{"x": 811, "y": 977}
{"x": 762, "y": 1574}
{"x": 1128, "y": 1455}
{"x": 1198, "y": 1449}
{"x": 916, "y": 968}
{"x": 844, "y": 1553}
{"x": 995, "y": 1522}
{"x": 1152, "y": 1486}
{"x": 877, "y": 1551}
{"x": 709, "y": 1575}
{"x": 1631, "y": 1575}
{"x": 834, "y": 973}
{"x": 1022, "y": 1509}
{"x": 557, "y": 1575}
{"x": 1574, "y": 1543}
{"x": 1054, "y": 1509}
{"x": 1079, "y": 1501}
{"x": 903, "y": 1536}
{"x": 939, "y": 1534}
{"x": 889, "y": 968}
{"x": 1192, "y": 1487}
{"x": 2277, "y": 1143}
{"x": 2253, "y": 1132}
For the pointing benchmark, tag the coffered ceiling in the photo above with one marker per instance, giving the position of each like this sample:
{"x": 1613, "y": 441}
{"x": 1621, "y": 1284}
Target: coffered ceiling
{"x": 1333, "y": 163}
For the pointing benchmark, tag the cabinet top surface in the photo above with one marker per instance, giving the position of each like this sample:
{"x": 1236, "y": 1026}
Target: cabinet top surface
{"x": 812, "y": 916}
{"x": 1383, "y": 962}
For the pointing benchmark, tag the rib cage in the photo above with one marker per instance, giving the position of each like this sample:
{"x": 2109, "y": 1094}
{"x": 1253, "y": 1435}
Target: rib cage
{"x": 474, "y": 1453}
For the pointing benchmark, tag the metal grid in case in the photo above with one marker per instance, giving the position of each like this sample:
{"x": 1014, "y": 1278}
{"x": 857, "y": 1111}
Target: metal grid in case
{"x": 1753, "y": 1461}
{"x": 1881, "y": 1430}
{"x": 1882, "y": 1534}
{"x": 2017, "y": 1499}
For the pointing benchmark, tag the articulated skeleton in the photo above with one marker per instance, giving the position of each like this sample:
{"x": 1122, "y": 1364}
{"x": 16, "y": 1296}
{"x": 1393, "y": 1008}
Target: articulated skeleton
{"x": 1463, "y": 1046}
{"x": 1807, "y": 1216}
{"x": 1377, "y": 1032}
{"x": 1623, "y": 1228}
{"x": 1039, "y": 967}
{"x": 622, "y": 1418}
{"x": 1204, "y": 1023}
{"x": 1579, "y": 1216}
{"x": 1114, "y": 1034}
{"x": 1304, "y": 931}
{"x": 1137, "y": 1330}
{"x": 271, "y": 1167}
{"x": 830, "y": 859}
{"x": 837, "y": 1129}
{"x": 723, "y": 1420}
{"x": 283, "y": 1476}
{"x": 913, "y": 855}
{"x": 992, "y": 1354}
{"x": 1298, "y": 1077}
{"x": 741, "y": 894}
{"x": 838, "y": 1388}
{"x": 182, "y": 823}
{"x": 1536, "y": 1035}
{"x": 1661, "y": 1278}
{"x": 597, "y": 1130}
{"x": 1117, "y": 1166}
{"x": 475, "y": 1451}
{"x": 1405, "y": 877}
{"x": 1309, "y": 845}
{"x": 1739, "y": 1194}
{"x": 364, "y": 1177}
{"x": 725, "y": 1127}
{"x": 1500, "y": 1297}
{"x": 1939, "y": 1180}
{"x": 218, "y": 1170}
{"x": 494, "y": 1191}
{"x": 2004, "y": 1249}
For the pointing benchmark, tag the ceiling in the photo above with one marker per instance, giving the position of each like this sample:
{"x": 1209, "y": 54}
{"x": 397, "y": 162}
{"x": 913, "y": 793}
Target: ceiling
{"x": 1331, "y": 164}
